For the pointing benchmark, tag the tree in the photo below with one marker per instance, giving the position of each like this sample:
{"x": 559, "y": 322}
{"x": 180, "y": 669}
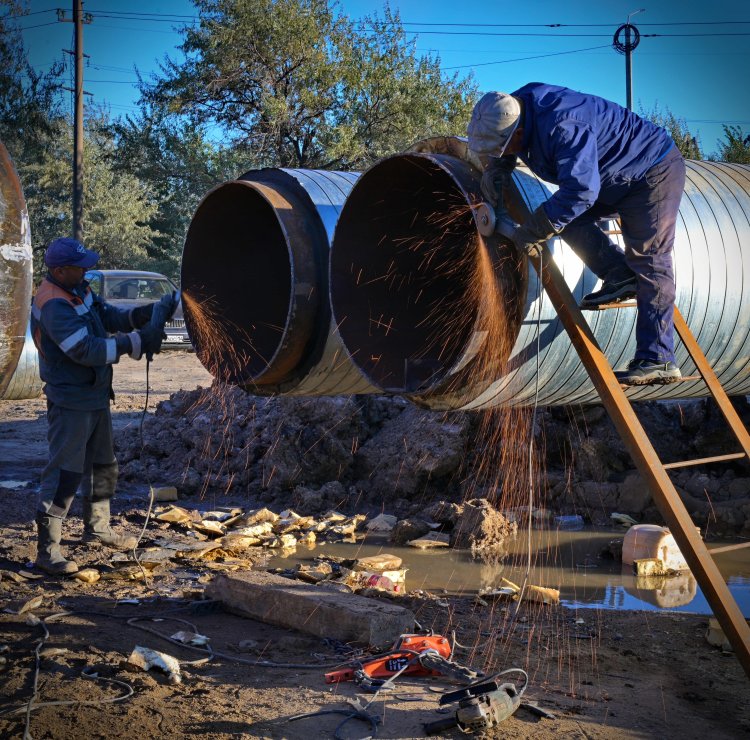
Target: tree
{"x": 180, "y": 164}
{"x": 299, "y": 85}
{"x": 736, "y": 148}
{"x": 677, "y": 128}
{"x": 118, "y": 206}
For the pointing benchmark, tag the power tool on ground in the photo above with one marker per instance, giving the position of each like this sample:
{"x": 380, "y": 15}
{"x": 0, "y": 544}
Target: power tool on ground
{"x": 481, "y": 705}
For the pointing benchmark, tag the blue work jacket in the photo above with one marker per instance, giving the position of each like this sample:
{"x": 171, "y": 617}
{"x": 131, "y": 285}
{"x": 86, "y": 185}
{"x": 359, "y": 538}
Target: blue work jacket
{"x": 588, "y": 146}
{"x": 71, "y": 331}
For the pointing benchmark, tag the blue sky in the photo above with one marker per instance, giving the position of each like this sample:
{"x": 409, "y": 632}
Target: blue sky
{"x": 697, "y": 66}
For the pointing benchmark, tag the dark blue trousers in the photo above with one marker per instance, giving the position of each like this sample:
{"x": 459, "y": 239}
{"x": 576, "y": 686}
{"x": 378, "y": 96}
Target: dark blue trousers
{"x": 648, "y": 213}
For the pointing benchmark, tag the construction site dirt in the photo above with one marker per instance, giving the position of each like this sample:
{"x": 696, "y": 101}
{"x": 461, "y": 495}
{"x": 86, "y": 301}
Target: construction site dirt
{"x": 602, "y": 673}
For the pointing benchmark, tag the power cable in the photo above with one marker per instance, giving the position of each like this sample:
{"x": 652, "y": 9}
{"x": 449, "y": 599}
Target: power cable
{"x": 524, "y": 59}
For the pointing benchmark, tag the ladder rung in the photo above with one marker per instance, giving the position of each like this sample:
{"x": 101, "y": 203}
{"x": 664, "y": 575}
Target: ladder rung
{"x": 704, "y": 460}
{"x": 729, "y": 548}
{"x": 607, "y": 306}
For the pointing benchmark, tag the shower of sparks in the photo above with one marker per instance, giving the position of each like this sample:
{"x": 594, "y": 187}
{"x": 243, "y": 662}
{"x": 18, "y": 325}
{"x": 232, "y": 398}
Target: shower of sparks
{"x": 449, "y": 251}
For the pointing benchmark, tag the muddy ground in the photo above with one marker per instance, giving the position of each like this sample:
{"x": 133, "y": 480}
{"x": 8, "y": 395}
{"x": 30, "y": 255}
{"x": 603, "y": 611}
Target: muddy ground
{"x": 604, "y": 674}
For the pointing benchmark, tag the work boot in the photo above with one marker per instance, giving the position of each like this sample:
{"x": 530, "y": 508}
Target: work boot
{"x": 96, "y": 526}
{"x": 612, "y": 291}
{"x": 645, "y": 372}
{"x": 49, "y": 558}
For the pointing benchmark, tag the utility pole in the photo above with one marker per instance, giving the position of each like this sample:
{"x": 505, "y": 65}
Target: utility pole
{"x": 626, "y": 47}
{"x": 78, "y": 21}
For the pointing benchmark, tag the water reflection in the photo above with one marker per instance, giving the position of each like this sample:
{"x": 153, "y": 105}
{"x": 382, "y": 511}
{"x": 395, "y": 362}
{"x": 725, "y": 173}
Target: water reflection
{"x": 568, "y": 561}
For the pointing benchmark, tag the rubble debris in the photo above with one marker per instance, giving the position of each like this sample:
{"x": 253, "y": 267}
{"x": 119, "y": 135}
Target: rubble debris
{"x": 163, "y": 494}
{"x": 145, "y": 659}
{"x": 569, "y": 522}
{"x": 408, "y": 529}
{"x": 21, "y": 606}
{"x": 174, "y": 515}
{"x": 87, "y": 575}
{"x": 321, "y": 571}
{"x": 378, "y": 563}
{"x": 481, "y": 528}
{"x": 622, "y": 519}
{"x": 389, "y": 580}
{"x": 541, "y": 594}
{"x": 644, "y": 541}
{"x": 652, "y": 567}
{"x": 431, "y": 540}
{"x": 715, "y": 636}
{"x": 12, "y": 576}
{"x": 190, "y": 638}
{"x": 381, "y": 523}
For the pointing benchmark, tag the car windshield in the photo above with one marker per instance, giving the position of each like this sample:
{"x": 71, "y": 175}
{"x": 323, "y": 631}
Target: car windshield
{"x": 132, "y": 289}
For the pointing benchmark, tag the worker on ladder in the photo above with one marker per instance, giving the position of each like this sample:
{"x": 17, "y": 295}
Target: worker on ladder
{"x": 606, "y": 161}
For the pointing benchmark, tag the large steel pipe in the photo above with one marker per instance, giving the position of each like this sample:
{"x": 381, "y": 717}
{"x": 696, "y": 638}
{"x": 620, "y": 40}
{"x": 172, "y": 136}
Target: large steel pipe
{"x": 255, "y": 283}
{"x": 16, "y": 274}
{"x": 421, "y": 313}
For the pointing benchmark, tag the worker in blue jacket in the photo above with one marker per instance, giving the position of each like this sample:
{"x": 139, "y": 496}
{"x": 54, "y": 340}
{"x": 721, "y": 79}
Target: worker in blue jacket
{"x": 79, "y": 337}
{"x": 606, "y": 161}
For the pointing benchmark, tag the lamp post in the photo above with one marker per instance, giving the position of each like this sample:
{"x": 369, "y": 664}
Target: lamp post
{"x": 626, "y": 46}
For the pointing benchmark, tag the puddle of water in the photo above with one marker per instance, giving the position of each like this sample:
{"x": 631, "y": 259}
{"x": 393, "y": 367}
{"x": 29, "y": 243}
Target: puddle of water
{"x": 568, "y": 561}
{"x": 14, "y": 484}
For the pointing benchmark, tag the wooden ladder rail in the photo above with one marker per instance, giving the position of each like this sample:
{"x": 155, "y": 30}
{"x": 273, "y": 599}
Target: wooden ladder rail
{"x": 643, "y": 453}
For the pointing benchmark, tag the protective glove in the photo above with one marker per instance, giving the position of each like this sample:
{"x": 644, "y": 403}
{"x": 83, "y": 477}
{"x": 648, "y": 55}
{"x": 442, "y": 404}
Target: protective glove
{"x": 534, "y": 232}
{"x": 141, "y": 315}
{"x": 150, "y": 337}
{"x": 169, "y": 304}
{"x": 496, "y": 176}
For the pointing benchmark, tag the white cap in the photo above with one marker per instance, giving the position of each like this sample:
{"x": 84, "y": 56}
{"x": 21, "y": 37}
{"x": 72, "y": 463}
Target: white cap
{"x": 493, "y": 121}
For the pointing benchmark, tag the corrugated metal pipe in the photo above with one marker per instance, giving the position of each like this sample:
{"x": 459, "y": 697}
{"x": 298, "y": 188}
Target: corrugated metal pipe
{"x": 255, "y": 283}
{"x": 428, "y": 308}
{"x": 16, "y": 274}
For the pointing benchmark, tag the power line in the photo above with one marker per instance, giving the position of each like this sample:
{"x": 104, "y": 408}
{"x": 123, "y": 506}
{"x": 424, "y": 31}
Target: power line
{"x": 523, "y": 59}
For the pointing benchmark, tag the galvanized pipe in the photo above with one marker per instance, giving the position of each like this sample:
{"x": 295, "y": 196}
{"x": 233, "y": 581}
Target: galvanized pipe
{"x": 16, "y": 273}
{"x": 256, "y": 260}
{"x": 412, "y": 316}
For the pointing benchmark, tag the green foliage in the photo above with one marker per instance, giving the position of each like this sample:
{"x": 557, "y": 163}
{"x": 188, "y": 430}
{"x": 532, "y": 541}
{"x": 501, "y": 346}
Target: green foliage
{"x": 118, "y": 206}
{"x": 299, "y": 85}
{"x": 736, "y": 147}
{"x": 180, "y": 165}
{"x": 677, "y": 128}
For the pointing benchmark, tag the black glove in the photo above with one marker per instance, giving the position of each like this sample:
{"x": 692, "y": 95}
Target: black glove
{"x": 151, "y": 337}
{"x": 496, "y": 176}
{"x": 533, "y": 232}
{"x": 169, "y": 303}
{"x": 141, "y": 315}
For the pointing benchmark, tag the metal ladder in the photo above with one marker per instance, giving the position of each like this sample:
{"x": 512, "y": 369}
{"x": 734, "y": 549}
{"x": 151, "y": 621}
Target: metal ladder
{"x": 654, "y": 472}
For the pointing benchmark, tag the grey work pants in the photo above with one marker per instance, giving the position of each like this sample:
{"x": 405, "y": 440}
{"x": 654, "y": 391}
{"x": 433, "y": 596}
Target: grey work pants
{"x": 77, "y": 440}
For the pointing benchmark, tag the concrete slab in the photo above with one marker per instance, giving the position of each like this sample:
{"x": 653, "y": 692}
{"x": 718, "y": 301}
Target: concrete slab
{"x": 312, "y": 609}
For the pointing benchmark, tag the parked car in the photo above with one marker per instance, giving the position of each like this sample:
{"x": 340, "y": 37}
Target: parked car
{"x": 130, "y": 288}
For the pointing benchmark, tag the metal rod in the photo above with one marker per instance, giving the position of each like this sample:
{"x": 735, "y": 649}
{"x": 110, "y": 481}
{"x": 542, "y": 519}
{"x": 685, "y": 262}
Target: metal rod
{"x": 704, "y": 460}
{"x": 628, "y": 69}
{"x": 729, "y": 548}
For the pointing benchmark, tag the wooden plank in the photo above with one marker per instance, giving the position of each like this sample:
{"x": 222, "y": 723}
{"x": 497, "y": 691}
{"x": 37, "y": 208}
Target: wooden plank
{"x": 703, "y": 460}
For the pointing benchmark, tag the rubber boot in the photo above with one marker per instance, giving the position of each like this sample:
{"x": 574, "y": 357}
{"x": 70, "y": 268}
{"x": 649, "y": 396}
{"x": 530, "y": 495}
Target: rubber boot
{"x": 49, "y": 558}
{"x": 96, "y": 513}
{"x": 97, "y": 529}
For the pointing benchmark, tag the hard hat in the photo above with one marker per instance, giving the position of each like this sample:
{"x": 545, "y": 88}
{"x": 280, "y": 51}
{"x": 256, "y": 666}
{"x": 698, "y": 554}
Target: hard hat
{"x": 493, "y": 121}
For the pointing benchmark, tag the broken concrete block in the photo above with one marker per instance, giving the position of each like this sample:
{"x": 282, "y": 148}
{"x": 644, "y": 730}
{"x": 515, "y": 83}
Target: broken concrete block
{"x": 431, "y": 539}
{"x": 381, "y": 523}
{"x": 165, "y": 493}
{"x": 378, "y": 563}
{"x": 87, "y": 575}
{"x": 716, "y": 637}
{"x": 651, "y": 567}
{"x": 276, "y": 600}
{"x": 542, "y": 594}
{"x": 259, "y": 516}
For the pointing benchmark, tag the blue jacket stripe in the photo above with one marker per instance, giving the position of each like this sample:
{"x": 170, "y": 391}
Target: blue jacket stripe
{"x": 111, "y": 350}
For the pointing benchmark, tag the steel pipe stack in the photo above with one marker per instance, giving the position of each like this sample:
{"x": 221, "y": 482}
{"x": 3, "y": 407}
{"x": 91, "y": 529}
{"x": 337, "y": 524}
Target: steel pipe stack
{"x": 16, "y": 272}
{"x": 256, "y": 262}
{"x": 406, "y": 301}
